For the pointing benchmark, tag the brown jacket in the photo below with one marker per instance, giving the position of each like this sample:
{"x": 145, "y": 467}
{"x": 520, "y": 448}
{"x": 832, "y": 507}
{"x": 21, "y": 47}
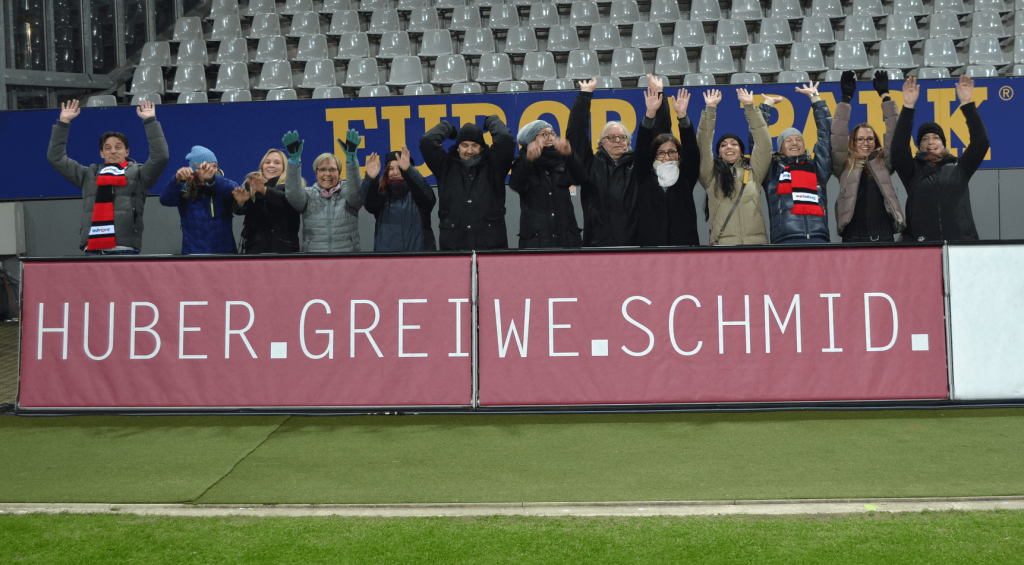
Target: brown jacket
{"x": 880, "y": 169}
{"x": 746, "y": 227}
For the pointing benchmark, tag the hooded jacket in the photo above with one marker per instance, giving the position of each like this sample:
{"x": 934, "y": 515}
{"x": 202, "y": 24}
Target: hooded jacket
{"x": 206, "y": 220}
{"x": 547, "y": 218}
{"x": 471, "y": 193}
{"x": 938, "y": 196}
{"x": 271, "y": 224}
{"x": 129, "y": 200}
{"x": 403, "y": 224}
{"x": 329, "y": 225}
{"x": 787, "y": 227}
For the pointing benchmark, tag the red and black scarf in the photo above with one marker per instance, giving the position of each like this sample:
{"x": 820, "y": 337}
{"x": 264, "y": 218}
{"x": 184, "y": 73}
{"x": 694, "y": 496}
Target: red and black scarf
{"x": 101, "y": 233}
{"x": 800, "y": 180}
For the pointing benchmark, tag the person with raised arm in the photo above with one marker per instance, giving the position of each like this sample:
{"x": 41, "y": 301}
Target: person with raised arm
{"x": 867, "y": 209}
{"x": 401, "y": 201}
{"x": 470, "y": 183}
{"x": 937, "y": 183}
{"x": 667, "y": 170}
{"x": 795, "y": 185}
{"x": 202, "y": 195}
{"x": 732, "y": 181}
{"x": 541, "y": 175}
{"x": 330, "y": 207}
{"x": 114, "y": 192}
{"x": 271, "y": 224}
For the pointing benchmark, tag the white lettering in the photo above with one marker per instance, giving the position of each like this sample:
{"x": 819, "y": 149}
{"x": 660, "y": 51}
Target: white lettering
{"x": 867, "y": 320}
{"x": 503, "y": 348}
{"x": 149, "y": 329}
{"x": 831, "y": 326}
{"x": 458, "y": 327}
{"x": 329, "y": 352}
{"x": 650, "y": 336}
{"x": 672, "y": 325}
{"x": 745, "y": 323}
{"x": 240, "y": 333}
{"x": 182, "y": 329}
{"x": 402, "y": 327}
{"x": 795, "y": 305}
{"x": 110, "y": 335}
{"x": 366, "y": 331}
{"x": 552, "y": 326}
{"x": 63, "y": 330}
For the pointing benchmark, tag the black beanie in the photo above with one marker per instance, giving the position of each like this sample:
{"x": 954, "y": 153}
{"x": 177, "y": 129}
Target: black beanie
{"x": 743, "y": 148}
{"x": 930, "y": 127}
{"x": 470, "y": 132}
{"x": 393, "y": 156}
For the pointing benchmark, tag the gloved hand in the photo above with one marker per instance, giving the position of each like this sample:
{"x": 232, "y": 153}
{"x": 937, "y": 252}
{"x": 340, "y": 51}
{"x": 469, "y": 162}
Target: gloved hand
{"x": 351, "y": 143}
{"x": 293, "y": 145}
{"x": 848, "y": 84}
{"x": 881, "y": 82}
{"x": 452, "y": 132}
{"x": 491, "y": 121}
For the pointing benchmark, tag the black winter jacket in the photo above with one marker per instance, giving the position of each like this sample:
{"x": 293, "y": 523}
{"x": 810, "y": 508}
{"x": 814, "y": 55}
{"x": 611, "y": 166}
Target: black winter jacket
{"x": 546, "y": 218}
{"x": 471, "y": 198}
{"x": 271, "y": 224}
{"x": 938, "y": 196}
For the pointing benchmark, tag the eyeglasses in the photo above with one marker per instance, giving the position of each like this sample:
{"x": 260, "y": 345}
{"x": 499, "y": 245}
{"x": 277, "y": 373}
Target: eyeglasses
{"x": 670, "y": 153}
{"x": 547, "y": 134}
{"x": 863, "y": 139}
{"x": 616, "y": 138}
{"x": 327, "y": 170}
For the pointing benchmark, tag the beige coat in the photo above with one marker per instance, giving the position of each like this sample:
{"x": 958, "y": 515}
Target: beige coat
{"x": 746, "y": 227}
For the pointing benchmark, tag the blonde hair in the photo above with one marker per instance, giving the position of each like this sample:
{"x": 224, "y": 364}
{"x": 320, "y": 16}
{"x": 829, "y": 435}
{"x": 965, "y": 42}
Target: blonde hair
{"x": 852, "y": 160}
{"x": 325, "y": 156}
{"x": 284, "y": 172}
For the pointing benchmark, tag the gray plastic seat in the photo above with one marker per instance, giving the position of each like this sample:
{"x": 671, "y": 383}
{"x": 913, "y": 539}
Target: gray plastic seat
{"x": 647, "y": 35}
{"x": 305, "y": 23}
{"x": 985, "y": 51}
{"x": 746, "y": 10}
{"x": 539, "y": 67}
{"x": 642, "y": 82}
{"x": 311, "y": 47}
{"x": 467, "y": 88}
{"x": 410, "y": 5}
{"x": 954, "y": 6}
{"x": 319, "y": 72}
{"x": 793, "y": 77}
{"x": 787, "y": 9}
{"x": 806, "y": 57}
{"x": 608, "y": 82}
{"x": 436, "y": 42}
{"x": 478, "y": 42}
{"x": 940, "y": 53}
{"x": 503, "y": 17}
{"x": 991, "y": 5}
{"x": 1018, "y": 23}
{"x": 628, "y": 62}
{"x": 705, "y": 11}
{"x": 422, "y": 19}
{"x": 981, "y": 71}
{"x": 895, "y": 54}
{"x": 353, "y": 46}
{"x": 226, "y": 27}
{"x": 827, "y": 9}
{"x": 1018, "y": 50}
{"x": 447, "y": 5}
{"x": 346, "y": 21}
{"x": 193, "y": 98}
{"x": 930, "y": 73}
{"x": 663, "y": 11}
{"x": 382, "y": 21}
{"x": 279, "y": 94}
{"x": 265, "y": 25}
{"x": 187, "y": 28}
{"x": 1018, "y": 71}
{"x": 763, "y": 59}
{"x": 405, "y": 70}
{"x": 689, "y": 34}
{"x": 832, "y": 75}
{"x": 513, "y": 86}
{"x": 817, "y": 30}
{"x": 543, "y": 15}
{"x": 562, "y": 39}
{"x": 910, "y": 7}
{"x": 450, "y": 69}
{"x": 894, "y": 74}
{"x": 902, "y": 26}
{"x": 148, "y": 79}
{"x": 192, "y": 52}
{"x": 362, "y": 72}
{"x": 418, "y": 90}
{"x": 156, "y": 53}
{"x": 698, "y": 79}
{"x": 623, "y": 13}
{"x": 745, "y": 78}
{"x": 394, "y": 44}
{"x": 671, "y": 62}
{"x": 945, "y": 25}
{"x": 257, "y": 7}
{"x": 493, "y": 68}
{"x": 322, "y": 92}
{"x": 775, "y": 31}
{"x": 850, "y": 56}
{"x": 585, "y": 13}
{"x": 871, "y": 8}
{"x": 559, "y": 84}
{"x": 465, "y": 17}
{"x": 605, "y": 37}
{"x": 732, "y": 33}
{"x": 271, "y": 49}
{"x": 582, "y": 65}
{"x": 292, "y": 7}
{"x": 236, "y": 96}
{"x": 717, "y": 60}
{"x": 232, "y": 76}
{"x": 520, "y": 40}
{"x": 223, "y": 8}
{"x": 335, "y": 6}
{"x": 151, "y": 97}
{"x": 101, "y": 101}
{"x": 370, "y": 6}
{"x": 275, "y": 74}
{"x": 373, "y": 91}
{"x": 860, "y": 28}
{"x": 189, "y": 78}
{"x": 233, "y": 51}
{"x": 988, "y": 24}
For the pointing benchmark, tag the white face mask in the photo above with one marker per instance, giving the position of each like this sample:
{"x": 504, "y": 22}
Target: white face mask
{"x": 668, "y": 173}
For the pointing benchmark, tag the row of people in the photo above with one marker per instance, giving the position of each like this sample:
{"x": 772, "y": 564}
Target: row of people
{"x": 640, "y": 196}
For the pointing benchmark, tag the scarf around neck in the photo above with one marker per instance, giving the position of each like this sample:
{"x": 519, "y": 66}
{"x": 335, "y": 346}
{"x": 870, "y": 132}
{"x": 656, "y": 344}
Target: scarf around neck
{"x": 328, "y": 193}
{"x": 668, "y": 173}
{"x": 799, "y": 179}
{"x": 101, "y": 232}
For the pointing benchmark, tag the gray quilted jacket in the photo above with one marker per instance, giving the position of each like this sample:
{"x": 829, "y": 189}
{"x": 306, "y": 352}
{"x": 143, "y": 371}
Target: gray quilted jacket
{"x": 329, "y": 225}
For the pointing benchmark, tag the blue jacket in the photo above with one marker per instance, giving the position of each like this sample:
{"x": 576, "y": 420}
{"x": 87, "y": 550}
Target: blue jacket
{"x": 402, "y": 224}
{"x": 786, "y": 227}
{"x": 205, "y": 221}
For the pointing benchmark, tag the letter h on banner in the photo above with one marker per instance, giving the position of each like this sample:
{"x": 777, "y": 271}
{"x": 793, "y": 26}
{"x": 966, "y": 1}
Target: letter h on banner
{"x": 745, "y": 323}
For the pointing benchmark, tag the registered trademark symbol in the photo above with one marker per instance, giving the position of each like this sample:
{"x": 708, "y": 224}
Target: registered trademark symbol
{"x": 1006, "y": 93}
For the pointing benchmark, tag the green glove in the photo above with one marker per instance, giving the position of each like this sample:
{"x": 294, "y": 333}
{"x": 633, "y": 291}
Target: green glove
{"x": 293, "y": 144}
{"x": 351, "y": 143}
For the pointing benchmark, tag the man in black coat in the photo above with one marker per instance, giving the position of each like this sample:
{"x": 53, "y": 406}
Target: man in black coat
{"x": 541, "y": 177}
{"x": 938, "y": 195}
{"x": 470, "y": 183}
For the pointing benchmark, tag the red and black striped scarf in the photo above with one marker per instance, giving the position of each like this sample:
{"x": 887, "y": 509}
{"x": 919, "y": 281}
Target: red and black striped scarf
{"x": 101, "y": 233}
{"x": 799, "y": 179}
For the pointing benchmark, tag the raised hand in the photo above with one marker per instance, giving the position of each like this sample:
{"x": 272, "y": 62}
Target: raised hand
{"x": 655, "y": 81}
{"x": 848, "y": 85}
{"x": 184, "y": 174}
{"x": 807, "y": 89}
{"x": 772, "y": 100}
{"x": 351, "y": 142}
{"x": 588, "y": 85}
{"x": 533, "y": 149}
{"x": 712, "y": 97}
{"x": 562, "y": 146}
{"x": 911, "y": 90}
{"x": 965, "y": 89}
{"x": 293, "y": 144}
{"x": 145, "y": 109}
{"x": 373, "y": 165}
{"x": 257, "y": 183}
{"x": 404, "y": 159}
{"x": 745, "y": 96}
{"x": 240, "y": 195}
{"x": 69, "y": 111}
{"x": 681, "y": 103}
{"x": 881, "y": 82}
{"x": 652, "y": 98}
{"x": 206, "y": 171}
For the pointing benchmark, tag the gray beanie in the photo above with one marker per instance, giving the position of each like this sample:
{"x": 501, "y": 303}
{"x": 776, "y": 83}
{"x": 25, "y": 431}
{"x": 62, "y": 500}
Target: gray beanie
{"x": 785, "y": 134}
{"x": 530, "y": 131}
{"x": 200, "y": 155}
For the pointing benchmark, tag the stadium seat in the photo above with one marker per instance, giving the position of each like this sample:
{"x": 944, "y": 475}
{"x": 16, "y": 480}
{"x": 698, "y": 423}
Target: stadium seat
{"x": 608, "y": 82}
{"x": 945, "y": 25}
{"x": 345, "y": 21}
{"x": 467, "y": 88}
{"x": 335, "y": 6}
{"x": 642, "y": 81}
{"x": 831, "y": 75}
{"x": 265, "y": 25}
{"x": 605, "y": 37}
{"x": 627, "y": 62}
{"x": 582, "y": 65}
{"x": 271, "y": 49}
{"x": 450, "y": 69}
{"x": 827, "y": 9}
{"x": 494, "y": 68}
{"x": 559, "y": 84}
{"x": 1018, "y": 50}
{"x": 187, "y": 28}
{"x": 793, "y": 77}
{"x": 562, "y": 39}
{"x": 716, "y": 60}
{"x": 850, "y": 56}
{"x": 981, "y": 71}
{"x": 940, "y": 53}
{"x": 322, "y": 92}
{"x": 744, "y": 78}
{"x": 930, "y": 73}
{"x": 193, "y": 98}
{"x": 370, "y": 6}
{"x": 513, "y": 86}
{"x": 872, "y": 8}
{"x": 151, "y": 97}
{"x": 894, "y": 74}
{"x": 447, "y": 5}
{"x": 910, "y": 7}
{"x": 382, "y": 21}
{"x": 902, "y": 26}
{"x": 226, "y": 27}
{"x": 520, "y": 40}
{"x": 311, "y": 47}
{"x": 954, "y": 6}
{"x": 373, "y": 91}
{"x": 397, "y": 44}
{"x": 787, "y": 9}
{"x": 775, "y": 32}
{"x": 319, "y": 72}
{"x": 623, "y": 13}
{"x": 275, "y": 74}
{"x": 806, "y": 57}
{"x": 817, "y": 30}
{"x": 860, "y": 28}
{"x": 732, "y": 33}
{"x": 305, "y": 23}
{"x": 422, "y": 19}
{"x": 406, "y": 6}
{"x": 1018, "y": 23}
{"x": 236, "y": 96}
{"x": 192, "y": 52}
{"x": 478, "y": 42}
{"x": 1018, "y": 71}
{"x": 282, "y": 94}
{"x": 985, "y": 51}
{"x": 991, "y": 6}
{"x": 988, "y": 24}
{"x": 418, "y": 90}
{"x": 705, "y": 11}
{"x": 762, "y": 59}
{"x": 232, "y": 51}
{"x": 405, "y": 70}
{"x": 436, "y": 42}
{"x": 353, "y": 45}
{"x": 746, "y": 10}
{"x": 148, "y": 79}
{"x": 292, "y": 7}
{"x": 156, "y": 53}
{"x": 257, "y": 7}
{"x": 503, "y": 17}
{"x": 465, "y": 17}
{"x": 585, "y": 13}
{"x": 223, "y": 8}
{"x": 689, "y": 34}
{"x": 698, "y": 79}
{"x": 663, "y": 11}
{"x": 101, "y": 101}
{"x": 483, "y": 4}
{"x": 672, "y": 62}
{"x": 895, "y": 54}
{"x": 232, "y": 76}
{"x": 543, "y": 15}
{"x": 189, "y": 78}
{"x": 362, "y": 72}
{"x": 647, "y": 35}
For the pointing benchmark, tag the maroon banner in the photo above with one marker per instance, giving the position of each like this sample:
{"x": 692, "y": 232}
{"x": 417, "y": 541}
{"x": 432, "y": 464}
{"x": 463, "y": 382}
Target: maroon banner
{"x": 829, "y": 324}
{"x": 303, "y": 332}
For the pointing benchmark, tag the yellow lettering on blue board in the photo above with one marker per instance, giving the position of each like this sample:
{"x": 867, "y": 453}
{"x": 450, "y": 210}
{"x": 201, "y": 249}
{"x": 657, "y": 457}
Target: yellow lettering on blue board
{"x": 537, "y": 109}
{"x": 599, "y": 110}
{"x": 341, "y": 117}
{"x": 941, "y": 98}
{"x": 431, "y": 115}
{"x": 467, "y": 114}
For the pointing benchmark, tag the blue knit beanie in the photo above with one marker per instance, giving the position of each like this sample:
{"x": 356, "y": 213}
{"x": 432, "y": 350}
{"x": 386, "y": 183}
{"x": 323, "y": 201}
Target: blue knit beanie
{"x": 200, "y": 155}
{"x": 530, "y": 131}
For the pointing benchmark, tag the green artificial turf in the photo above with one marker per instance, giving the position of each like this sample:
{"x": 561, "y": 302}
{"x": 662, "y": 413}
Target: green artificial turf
{"x": 932, "y": 538}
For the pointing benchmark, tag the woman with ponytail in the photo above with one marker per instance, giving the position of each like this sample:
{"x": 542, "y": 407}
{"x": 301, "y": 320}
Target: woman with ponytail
{"x": 733, "y": 182}
{"x": 401, "y": 201}
{"x": 203, "y": 198}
